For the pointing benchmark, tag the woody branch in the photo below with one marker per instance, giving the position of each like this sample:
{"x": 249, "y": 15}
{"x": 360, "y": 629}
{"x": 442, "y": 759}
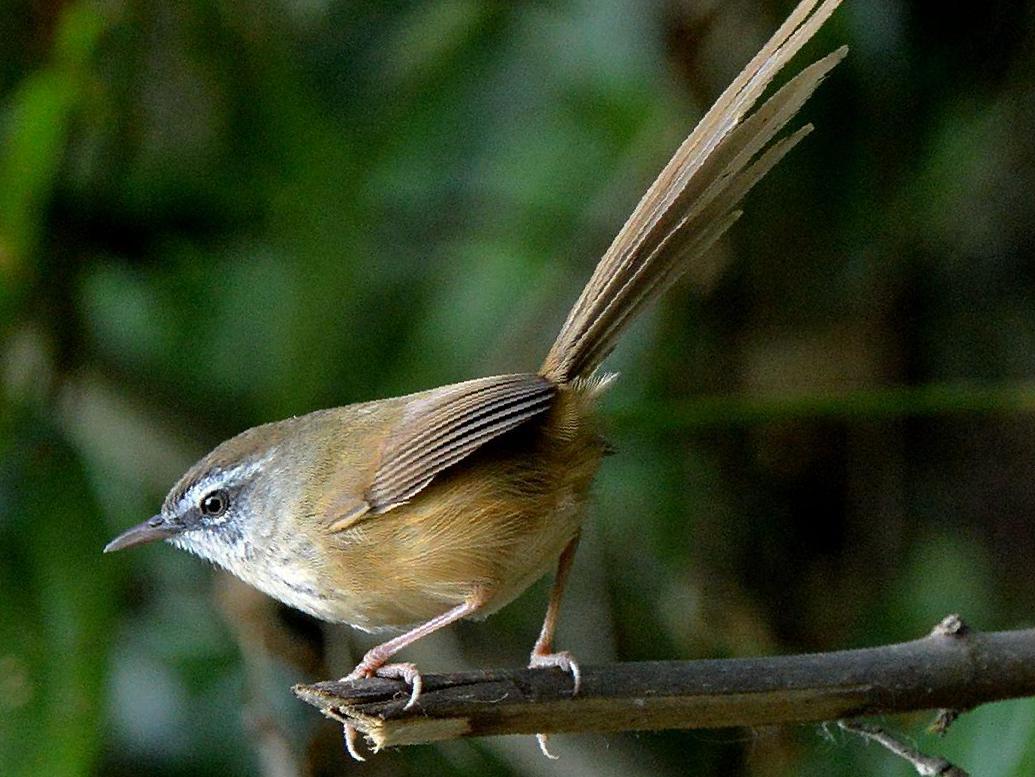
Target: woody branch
{"x": 951, "y": 669}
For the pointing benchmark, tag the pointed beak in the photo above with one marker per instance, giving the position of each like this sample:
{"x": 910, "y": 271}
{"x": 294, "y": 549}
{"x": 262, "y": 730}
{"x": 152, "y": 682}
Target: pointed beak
{"x": 153, "y": 529}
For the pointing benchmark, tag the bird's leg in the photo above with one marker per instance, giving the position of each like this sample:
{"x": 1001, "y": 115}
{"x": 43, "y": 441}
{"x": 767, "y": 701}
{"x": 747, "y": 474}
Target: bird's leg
{"x": 374, "y": 663}
{"x": 543, "y": 653}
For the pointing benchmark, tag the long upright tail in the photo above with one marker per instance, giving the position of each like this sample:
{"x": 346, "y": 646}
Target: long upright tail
{"x": 694, "y": 199}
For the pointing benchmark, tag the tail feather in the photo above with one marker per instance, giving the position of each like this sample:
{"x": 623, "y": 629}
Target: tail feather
{"x": 694, "y": 198}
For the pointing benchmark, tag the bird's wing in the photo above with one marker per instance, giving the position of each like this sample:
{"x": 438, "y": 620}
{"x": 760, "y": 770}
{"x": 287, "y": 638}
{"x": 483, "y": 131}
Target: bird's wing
{"x": 440, "y": 428}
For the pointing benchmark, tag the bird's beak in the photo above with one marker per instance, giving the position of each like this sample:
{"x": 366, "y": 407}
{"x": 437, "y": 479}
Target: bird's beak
{"x": 151, "y": 530}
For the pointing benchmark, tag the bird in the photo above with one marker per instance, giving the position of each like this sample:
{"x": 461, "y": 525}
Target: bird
{"x": 415, "y": 512}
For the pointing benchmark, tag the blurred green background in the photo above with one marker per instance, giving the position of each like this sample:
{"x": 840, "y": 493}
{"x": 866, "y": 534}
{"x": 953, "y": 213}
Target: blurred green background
{"x": 216, "y": 214}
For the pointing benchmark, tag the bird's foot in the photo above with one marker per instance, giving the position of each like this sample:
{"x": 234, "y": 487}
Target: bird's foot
{"x": 562, "y": 659}
{"x": 406, "y": 672}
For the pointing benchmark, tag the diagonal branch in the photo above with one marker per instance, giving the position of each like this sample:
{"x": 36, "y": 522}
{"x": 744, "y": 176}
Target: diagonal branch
{"x": 951, "y": 668}
{"x": 925, "y": 765}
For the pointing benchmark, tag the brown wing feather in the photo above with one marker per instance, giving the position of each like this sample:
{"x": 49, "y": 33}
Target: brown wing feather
{"x": 439, "y": 430}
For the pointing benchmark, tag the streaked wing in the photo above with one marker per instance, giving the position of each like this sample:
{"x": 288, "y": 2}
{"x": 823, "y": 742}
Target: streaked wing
{"x": 439, "y": 429}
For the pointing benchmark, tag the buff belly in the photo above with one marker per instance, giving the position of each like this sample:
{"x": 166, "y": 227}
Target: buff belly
{"x": 490, "y": 528}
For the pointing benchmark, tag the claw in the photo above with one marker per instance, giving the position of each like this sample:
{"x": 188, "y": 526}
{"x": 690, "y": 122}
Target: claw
{"x": 562, "y": 660}
{"x": 352, "y": 741}
{"x": 544, "y": 746}
{"x": 409, "y": 674}
{"x": 406, "y": 672}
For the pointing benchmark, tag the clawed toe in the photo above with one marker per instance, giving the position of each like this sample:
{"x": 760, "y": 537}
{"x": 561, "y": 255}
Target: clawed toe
{"x": 406, "y": 672}
{"x": 544, "y": 746}
{"x": 352, "y": 741}
{"x": 409, "y": 674}
{"x": 562, "y": 660}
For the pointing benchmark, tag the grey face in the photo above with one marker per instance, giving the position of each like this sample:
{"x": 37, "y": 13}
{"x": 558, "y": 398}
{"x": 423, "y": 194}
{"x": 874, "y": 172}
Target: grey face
{"x": 227, "y": 514}
{"x": 200, "y": 514}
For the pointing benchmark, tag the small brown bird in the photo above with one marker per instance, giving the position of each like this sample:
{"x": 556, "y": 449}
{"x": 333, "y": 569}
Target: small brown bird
{"x": 448, "y": 503}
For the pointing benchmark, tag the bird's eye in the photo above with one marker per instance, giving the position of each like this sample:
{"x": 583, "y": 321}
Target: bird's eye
{"x": 215, "y": 503}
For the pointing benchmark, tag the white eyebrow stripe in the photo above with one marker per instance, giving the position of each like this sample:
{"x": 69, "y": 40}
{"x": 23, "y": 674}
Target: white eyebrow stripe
{"x": 221, "y": 477}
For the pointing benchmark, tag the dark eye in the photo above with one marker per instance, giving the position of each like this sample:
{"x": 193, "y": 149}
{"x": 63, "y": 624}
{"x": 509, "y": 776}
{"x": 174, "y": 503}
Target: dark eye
{"x": 215, "y": 503}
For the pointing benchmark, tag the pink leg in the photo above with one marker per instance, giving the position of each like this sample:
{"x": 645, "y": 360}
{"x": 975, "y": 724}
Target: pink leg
{"x": 374, "y": 662}
{"x": 543, "y": 653}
